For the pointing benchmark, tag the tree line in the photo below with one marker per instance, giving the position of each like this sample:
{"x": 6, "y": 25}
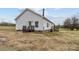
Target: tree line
{"x": 6, "y": 24}
{"x": 71, "y": 23}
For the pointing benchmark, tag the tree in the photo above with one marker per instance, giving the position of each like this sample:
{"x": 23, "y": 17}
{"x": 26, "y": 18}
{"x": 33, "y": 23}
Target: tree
{"x": 67, "y": 23}
{"x": 75, "y": 22}
{"x": 72, "y": 23}
{"x": 6, "y": 24}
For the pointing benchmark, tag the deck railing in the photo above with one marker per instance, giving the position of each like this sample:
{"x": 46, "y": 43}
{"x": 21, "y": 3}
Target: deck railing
{"x": 28, "y": 29}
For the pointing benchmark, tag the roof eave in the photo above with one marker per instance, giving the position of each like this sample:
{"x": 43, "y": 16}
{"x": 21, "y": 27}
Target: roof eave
{"x": 34, "y": 13}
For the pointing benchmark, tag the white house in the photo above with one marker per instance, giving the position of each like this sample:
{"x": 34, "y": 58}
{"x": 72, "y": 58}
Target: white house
{"x": 29, "y": 17}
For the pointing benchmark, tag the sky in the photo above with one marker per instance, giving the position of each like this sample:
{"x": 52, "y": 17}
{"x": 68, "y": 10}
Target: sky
{"x": 56, "y": 15}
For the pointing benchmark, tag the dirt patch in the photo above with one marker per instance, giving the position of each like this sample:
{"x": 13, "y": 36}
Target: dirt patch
{"x": 38, "y": 41}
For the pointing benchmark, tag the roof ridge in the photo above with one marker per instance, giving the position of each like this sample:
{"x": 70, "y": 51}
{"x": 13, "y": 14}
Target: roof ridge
{"x": 34, "y": 13}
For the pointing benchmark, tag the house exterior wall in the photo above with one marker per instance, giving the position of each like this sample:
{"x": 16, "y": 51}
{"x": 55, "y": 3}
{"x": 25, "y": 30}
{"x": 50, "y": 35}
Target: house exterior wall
{"x": 49, "y": 25}
{"x": 29, "y": 16}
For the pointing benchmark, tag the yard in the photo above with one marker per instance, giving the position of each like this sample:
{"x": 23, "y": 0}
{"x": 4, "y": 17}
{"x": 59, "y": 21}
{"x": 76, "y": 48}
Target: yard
{"x": 65, "y": 40}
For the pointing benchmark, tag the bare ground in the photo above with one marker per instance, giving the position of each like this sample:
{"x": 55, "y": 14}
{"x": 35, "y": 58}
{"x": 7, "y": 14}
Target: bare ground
{"x": 39, "y": 41}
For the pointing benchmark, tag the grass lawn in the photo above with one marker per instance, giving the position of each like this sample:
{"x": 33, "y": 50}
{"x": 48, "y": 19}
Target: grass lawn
{"x": 64, "y": 40}
{"x": 7, "y": 28}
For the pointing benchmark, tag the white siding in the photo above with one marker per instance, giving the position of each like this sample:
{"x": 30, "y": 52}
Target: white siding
{"x": 29, "y": 16}
{"x": 45, "y": 25}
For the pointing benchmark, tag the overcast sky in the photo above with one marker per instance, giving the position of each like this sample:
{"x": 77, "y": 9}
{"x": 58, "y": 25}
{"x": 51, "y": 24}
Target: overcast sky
{"x": 57, "y": 15}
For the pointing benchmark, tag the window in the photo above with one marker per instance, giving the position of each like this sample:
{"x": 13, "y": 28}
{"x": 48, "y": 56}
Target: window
{"x": 29, "y": 23}
{"x": 36, "y": 24}
{"x": 47, "y": 24}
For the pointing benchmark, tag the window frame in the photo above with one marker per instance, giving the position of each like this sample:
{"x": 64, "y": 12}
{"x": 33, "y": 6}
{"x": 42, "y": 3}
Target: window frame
{"x": 30, "y": 23}
{"x": 36, "y": 24}
{"x": 47, "y": 24}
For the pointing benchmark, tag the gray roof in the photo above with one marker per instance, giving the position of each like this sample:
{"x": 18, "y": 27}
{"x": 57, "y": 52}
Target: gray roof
{"x": 34, "y": 13}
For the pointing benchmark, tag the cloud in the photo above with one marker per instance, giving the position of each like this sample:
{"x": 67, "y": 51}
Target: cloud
{"x": 58, "y": 19}
{"x": 55, "y": 9}
{"x": 7, "y": 18}
{"x": 40, "y": 10}
{"x": 37, "y": 10}
{"x": 21, "y": 9}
